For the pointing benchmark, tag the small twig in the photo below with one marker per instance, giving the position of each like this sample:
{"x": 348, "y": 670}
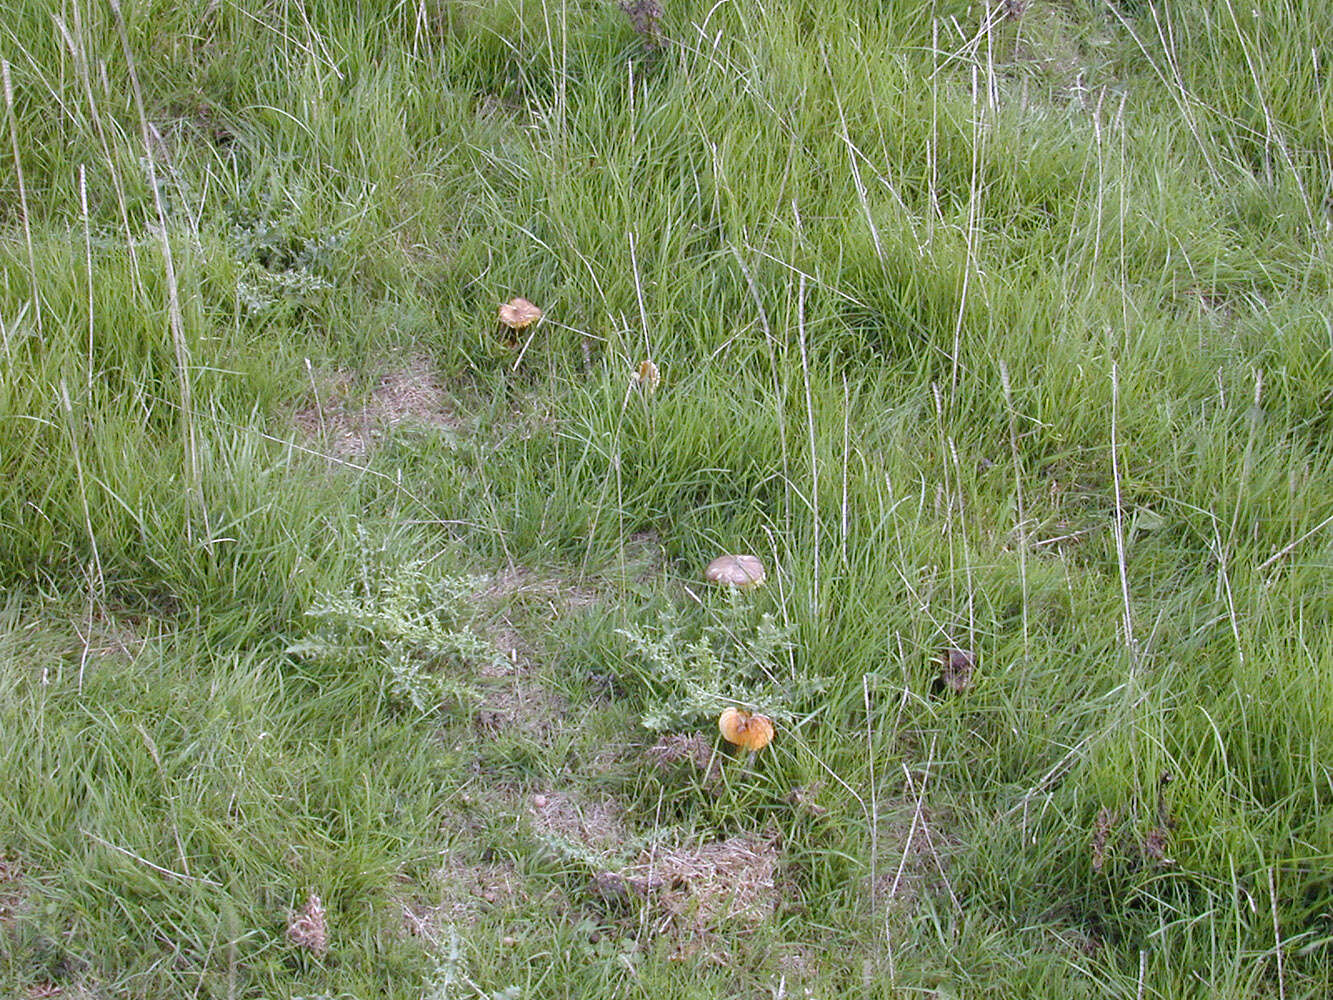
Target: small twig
{"x": 144, "y": 861}
{"x": 1277, "y": 938}
{"x": 1290, "y": 547}
{"x": 1072, "y": 536}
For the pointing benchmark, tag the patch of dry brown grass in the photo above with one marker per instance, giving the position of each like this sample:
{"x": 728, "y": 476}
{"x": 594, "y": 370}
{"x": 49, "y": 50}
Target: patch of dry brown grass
{"x": 701, "y": 896}
{"x": 410, "y": 395}
{"x": 462, "y": 892}
{"x": 13, "y": 892}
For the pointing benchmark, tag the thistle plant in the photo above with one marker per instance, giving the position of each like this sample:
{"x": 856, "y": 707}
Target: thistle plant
{"x": 694, "y": 672}
{"x": 410, "y": 627}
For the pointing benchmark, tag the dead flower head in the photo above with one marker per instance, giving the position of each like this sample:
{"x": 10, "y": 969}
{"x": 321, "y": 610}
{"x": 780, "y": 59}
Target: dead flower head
{"x": 308, "y": 929}
{"x": 1106, "y": 819}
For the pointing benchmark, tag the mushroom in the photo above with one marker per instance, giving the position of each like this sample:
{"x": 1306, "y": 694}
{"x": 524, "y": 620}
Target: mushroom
{"x": 742, "y": 572}
{"x": 518, "y": 313}
{"x": 646, "y": 377}
{"x": 750, "y": 732}
{"x": 956, "y": 668}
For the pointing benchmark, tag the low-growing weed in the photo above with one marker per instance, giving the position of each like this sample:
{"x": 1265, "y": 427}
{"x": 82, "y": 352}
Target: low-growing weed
{"x": 404, "y": 624}
{"x": 692, "y": 672}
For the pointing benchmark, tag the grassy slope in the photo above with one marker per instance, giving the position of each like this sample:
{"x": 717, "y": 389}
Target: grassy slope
{"x": 1013, "y": 337}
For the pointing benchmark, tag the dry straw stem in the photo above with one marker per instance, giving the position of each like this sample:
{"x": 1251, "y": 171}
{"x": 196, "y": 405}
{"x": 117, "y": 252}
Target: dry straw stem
{"x": 23, "y": 194}
{"x": 175, "y": 319}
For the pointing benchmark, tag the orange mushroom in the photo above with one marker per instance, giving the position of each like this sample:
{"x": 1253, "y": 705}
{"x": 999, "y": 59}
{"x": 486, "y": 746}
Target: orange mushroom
{"x": 750, "y": 732}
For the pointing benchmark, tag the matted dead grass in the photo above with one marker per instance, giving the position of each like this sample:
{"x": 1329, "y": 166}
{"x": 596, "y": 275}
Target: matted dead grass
{"x": 597, "y": 826}
{"x": 13, "y": 892}
{"x": 410, "y": 395}
{"x": 690, "y": 752}
{"x": 463, "y": 892}
{"x": 700, "y": 896}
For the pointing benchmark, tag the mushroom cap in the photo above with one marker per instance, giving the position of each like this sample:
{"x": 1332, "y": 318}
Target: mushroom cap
{"x": 750, "y": 732}
{"x": 647, "y": 376}
{"x": 956, "y": 667}
{"x": 518, "y": 313}
{"x": 743, "y": 572}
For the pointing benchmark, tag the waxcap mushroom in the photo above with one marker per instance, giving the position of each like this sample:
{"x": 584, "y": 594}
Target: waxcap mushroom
{"x": 749, "y": 731}
{"x": 742, "y": 572}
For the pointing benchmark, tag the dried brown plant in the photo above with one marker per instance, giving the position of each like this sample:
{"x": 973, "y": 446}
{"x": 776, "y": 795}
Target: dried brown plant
{"x": 1106, "y": 820}
{"x": 646, "y": 18}
{"x": 308, "y": 929}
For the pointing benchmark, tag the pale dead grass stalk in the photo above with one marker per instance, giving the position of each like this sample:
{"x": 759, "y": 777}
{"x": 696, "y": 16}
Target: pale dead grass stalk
{"x": 175, "y": 318}
{"x": 23, "y": 194}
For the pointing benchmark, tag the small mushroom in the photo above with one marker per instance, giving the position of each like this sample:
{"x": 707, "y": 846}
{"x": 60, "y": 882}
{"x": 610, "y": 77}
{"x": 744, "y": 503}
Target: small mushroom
{"x": 956, "y": 667}
{"x": 742, "y": 572}
{"x": 518, "y": 313}
{"x": 646, "y": 377}
{"x": 750, "y": 732}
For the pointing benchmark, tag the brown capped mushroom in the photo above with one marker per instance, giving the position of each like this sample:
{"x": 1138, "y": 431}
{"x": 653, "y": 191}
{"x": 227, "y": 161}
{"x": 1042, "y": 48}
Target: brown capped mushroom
{"x": 956, "y": 668}
{"x": 518, "y": 313}
{"x": 749, "y": 732}
{"x": 646, "y": 377}
{"x": 742, "y": 572}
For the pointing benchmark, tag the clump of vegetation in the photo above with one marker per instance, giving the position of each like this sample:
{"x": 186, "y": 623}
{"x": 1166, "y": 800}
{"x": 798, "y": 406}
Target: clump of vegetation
{"x": 692, "y": 672}
{"x": 407, "y": 626}
{"x": 278, "y": 267}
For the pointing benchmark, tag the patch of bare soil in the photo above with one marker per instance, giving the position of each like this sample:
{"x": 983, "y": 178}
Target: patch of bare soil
{"x": 642, "y": 558}
{"x": 595, "y": 828}
{"x": 408, "y": 395}
{"x": 554, "y": 591}
{"x": 106, "y": 638}
{"x": 517, "y": 655}
{"x": 518, "y": 704}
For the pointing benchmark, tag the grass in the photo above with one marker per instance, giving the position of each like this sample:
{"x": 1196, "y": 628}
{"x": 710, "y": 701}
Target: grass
{"x": 999, "y": 327}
